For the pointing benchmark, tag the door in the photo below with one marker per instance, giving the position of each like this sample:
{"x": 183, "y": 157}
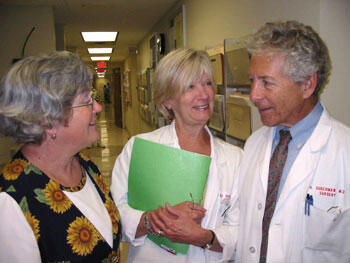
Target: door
{"x": 117, "y": 98}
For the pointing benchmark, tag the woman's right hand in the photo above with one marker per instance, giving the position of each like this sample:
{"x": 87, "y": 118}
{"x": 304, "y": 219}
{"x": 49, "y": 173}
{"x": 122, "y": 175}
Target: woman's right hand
{"x": 149, "y": 223}
{"x": 178, "y": 225}
{"x": 193, "y": 210}
{"x": 196, "y": 211}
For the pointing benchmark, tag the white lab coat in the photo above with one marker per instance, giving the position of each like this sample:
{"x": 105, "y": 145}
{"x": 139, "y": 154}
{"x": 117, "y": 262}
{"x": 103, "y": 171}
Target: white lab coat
{"x": 322, "y": 169}
{"x": 221, "y": 193}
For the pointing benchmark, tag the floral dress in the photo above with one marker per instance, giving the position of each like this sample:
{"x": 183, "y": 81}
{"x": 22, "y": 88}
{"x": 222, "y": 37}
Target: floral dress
{"x": 62, "y": 232}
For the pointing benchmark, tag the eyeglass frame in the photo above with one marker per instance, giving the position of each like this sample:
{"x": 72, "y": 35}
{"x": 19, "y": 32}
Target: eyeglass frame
{"x": 90, "y": 103}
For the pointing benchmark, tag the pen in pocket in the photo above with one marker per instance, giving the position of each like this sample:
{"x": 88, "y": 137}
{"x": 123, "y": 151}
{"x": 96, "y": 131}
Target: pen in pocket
{"x": 308, "y": 201}
{"x": 225, "y": 210}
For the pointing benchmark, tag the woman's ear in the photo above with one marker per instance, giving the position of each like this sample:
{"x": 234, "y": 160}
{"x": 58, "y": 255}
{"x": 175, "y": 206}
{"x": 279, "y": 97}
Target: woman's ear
{"x": 310, "y": 85}
{"x": 167, "y": 104}
{"x": 51, "y": 132}
{"x": 168, "y": 107}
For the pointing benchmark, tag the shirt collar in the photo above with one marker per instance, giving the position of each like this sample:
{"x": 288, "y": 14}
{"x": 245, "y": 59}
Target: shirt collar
{"x": 303, "y": 129}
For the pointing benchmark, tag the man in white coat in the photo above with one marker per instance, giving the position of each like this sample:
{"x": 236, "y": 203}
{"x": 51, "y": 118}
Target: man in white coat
{"x": 311, "y": 216}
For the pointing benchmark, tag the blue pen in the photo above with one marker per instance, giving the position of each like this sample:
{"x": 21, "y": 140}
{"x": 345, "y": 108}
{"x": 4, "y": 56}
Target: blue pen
{"x": 305, "y": 206}
{"x": 308, "y": 201}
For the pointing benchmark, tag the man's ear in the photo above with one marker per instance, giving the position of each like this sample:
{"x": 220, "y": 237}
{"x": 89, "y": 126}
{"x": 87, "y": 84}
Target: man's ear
{"x": 309, "y": 86}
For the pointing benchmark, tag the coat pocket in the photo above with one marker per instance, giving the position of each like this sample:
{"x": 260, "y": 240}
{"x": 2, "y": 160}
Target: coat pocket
{"x": 222, "y": 207}
{"x": 326, "y": 236}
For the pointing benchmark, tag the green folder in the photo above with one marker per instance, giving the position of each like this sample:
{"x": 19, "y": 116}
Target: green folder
{"x": 160, "y": 174}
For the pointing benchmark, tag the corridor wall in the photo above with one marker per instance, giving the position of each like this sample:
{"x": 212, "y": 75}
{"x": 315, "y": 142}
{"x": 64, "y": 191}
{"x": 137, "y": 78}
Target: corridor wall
{"x": 207, "y": 23}
{"x": 15, "y": 25}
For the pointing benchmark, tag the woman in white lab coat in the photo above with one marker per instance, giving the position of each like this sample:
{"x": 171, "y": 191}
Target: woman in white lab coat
{"x": 184, "y": 88}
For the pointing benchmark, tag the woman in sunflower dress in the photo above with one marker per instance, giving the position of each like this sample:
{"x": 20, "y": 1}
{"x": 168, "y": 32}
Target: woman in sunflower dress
{"x": 55, "y": 206}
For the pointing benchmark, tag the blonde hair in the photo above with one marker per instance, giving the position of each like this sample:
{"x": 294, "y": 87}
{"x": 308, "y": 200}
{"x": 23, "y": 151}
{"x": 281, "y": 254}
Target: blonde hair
{"x": 176, "y": 72}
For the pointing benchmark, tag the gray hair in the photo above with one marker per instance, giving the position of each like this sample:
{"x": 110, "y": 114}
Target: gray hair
{"x": 303, "y": 49}
{"x": 175, "y": 73}
{"x": 38, "y": 92}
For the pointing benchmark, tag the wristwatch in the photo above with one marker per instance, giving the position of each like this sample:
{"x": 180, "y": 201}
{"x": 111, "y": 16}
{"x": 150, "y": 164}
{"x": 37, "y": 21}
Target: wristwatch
{"x": 210, "y": 244}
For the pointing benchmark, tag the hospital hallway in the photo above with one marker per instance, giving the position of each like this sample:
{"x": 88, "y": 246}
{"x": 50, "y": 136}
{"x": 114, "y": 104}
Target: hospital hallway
{"x": 107, "y": 148}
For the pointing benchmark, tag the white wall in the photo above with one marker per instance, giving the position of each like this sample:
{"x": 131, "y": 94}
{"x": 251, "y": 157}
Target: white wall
{"x": 210, "y": 22}
{"x": 335, "y": 29}
{"x": 15, "y": 25}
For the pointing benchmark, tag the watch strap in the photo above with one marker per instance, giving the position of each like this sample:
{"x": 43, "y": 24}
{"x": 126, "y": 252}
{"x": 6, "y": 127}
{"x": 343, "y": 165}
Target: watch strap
{"x": 210, "y": 244}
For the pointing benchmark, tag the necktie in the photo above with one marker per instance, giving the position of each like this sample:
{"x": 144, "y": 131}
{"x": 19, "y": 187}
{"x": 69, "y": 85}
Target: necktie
{"x": 277, "y": 162}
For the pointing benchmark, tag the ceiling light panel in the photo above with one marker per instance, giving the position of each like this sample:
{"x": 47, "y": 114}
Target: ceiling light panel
{"x": 100, "y": 58}
{"x": 100, "y": 50}
{"x": 99, "y": 36}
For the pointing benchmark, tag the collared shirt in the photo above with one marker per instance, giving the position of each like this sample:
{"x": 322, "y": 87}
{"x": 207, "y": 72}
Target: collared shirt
{"x": 300, "y": 134}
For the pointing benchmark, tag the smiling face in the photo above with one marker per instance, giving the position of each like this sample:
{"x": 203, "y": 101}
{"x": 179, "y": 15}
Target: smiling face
{"x": 195, "y": 106}
{"x": 280, "y": 101}
{"x": 80, "y": 130}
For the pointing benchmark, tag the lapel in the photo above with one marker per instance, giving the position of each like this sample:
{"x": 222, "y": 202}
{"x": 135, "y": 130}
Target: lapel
{"x": 217, "y": 160}
{"x": 167, "y": 136}
{"x": 264, "y": 158}
{"x": 307, "y": 160}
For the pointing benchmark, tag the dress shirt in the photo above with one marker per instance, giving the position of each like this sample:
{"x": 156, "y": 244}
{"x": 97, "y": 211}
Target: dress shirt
{"x": 300, "y": 134}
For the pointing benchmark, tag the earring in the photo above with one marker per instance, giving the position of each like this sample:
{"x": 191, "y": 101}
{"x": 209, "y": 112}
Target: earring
{"x": 53, "y": 136}
{"x": 170, "y": 114}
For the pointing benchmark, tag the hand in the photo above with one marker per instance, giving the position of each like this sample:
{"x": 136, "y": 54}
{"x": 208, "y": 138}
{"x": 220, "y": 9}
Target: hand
{"x": 192, "y": 210}
{"x": 195, "y": 211}
{"x": 157, "y": 218}
{"x": 151, "y": 219}
{"x": 155, "y": 224}
{"x": 178, "y": 225}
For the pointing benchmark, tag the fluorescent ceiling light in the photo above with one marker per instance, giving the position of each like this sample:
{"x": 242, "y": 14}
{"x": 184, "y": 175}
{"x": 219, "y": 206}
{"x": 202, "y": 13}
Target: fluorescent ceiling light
{"x": 100, "y": 50}
{"x": 100, "y": 58}
{"x": 99, "y": 36}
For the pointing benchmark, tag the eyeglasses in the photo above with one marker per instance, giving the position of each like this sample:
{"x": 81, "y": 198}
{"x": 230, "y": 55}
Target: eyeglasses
{"x": 90, "y": 103}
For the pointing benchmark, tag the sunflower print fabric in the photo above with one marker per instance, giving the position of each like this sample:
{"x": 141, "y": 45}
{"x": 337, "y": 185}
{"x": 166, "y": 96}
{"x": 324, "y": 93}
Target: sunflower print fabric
{"x": 34, "y": 224}
{"x": 14, "y": 168}
{"x": 57, "y": 200}
{"x": 63, "y": 233}
{"x": 82, "y": 236}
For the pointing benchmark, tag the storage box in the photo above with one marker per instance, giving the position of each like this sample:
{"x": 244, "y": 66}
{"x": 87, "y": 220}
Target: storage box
{"x": 217, "y": 64}
{"x": 242, "y": 116}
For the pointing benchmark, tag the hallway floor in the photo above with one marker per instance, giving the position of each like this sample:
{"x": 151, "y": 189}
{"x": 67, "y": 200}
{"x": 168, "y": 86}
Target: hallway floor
{"x": 106, "y": 149}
